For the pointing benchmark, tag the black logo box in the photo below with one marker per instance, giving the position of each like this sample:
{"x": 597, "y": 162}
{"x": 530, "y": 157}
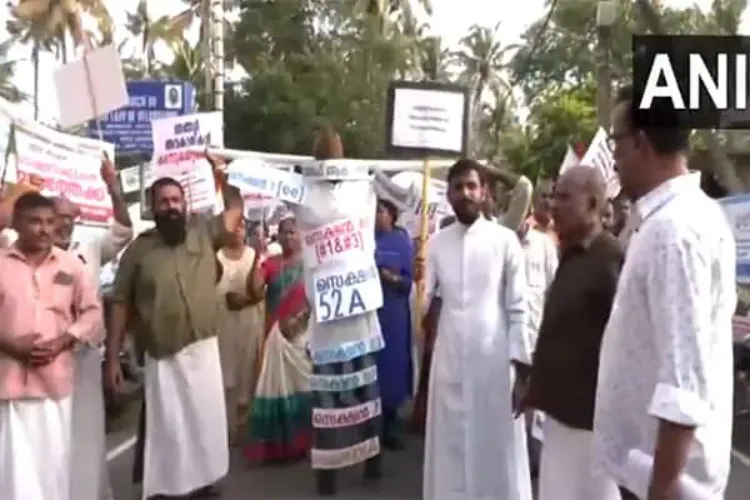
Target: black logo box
{"x": 662, "y": 113}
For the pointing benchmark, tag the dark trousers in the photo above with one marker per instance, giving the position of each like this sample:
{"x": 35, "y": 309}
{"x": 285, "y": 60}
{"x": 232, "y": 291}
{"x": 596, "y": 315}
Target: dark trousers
{"x": 140, "y": 446}
{"x": 390, "y": 423}
{"x": 626, "y": 495}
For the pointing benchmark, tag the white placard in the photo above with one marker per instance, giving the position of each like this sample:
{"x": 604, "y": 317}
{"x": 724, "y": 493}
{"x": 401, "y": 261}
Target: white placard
{"x": 346, "y": 289}
{"x": 335, "y": 241}
{"x": 173, "y": 139}
{"x": 600, "y": 157}
{"x": 90, "y": 87}
{"x": 428, "y": 119}
{"x": 253, "y": 176}
{"x": 336, "y": 170}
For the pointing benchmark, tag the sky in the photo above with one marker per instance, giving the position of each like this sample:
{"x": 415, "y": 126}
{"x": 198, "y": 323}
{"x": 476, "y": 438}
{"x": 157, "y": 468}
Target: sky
{"x": 451, "y": 20}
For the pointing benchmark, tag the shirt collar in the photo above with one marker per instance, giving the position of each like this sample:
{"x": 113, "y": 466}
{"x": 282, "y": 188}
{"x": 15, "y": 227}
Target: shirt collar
{"x": 657, "y": 197}
{"x": 14, "y": 252}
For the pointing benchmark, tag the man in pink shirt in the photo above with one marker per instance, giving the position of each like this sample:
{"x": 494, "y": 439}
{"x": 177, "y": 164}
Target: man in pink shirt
{"x": 48, "y": 304}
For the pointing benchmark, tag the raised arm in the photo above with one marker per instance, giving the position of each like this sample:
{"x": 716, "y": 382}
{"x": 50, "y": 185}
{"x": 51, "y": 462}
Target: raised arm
{"x": 518, "y": 206}
{"x": 121, "y": 231}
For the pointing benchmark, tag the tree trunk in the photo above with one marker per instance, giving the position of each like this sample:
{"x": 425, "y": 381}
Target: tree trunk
{"x": 35, "y": 62}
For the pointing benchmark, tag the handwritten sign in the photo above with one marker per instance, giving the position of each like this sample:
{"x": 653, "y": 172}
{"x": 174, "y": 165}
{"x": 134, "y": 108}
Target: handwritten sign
{"x": 346, "y": 417}
{"x": 347, "y": 289}
{"x": 340, "y": 383}
{"x": 335, "y": 170}
{"x": 69, "y": 167}
{"x": 347, "y": 351}
{"x": 334, "y": 241}
{"x": 253, "y": 176}
{"x": 173, "y": 139}
{"x": 344, "y": 457}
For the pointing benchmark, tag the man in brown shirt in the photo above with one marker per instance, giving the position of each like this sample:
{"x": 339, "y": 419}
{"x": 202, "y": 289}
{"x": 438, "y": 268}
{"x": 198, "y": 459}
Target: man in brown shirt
{"x": 566, "y": 360}
{"x": 166, "y": 280}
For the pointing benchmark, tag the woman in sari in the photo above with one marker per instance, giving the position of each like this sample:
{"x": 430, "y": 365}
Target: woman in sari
{"x": 279, "y": 425}
{"x": 394, "y": 256}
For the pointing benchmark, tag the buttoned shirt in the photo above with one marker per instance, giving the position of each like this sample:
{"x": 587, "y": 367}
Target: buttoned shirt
{"x": 667, "y": 348}
{"x": 171, "y": 289}
{"x": 541, "y": 263}
{"x": 94, "y": 254}
{"x": 55, "y": 298}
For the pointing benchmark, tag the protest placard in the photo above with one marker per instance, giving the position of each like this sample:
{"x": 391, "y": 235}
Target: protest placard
{"x": 343, "y": 289}
{"x": 334, "y": 241}
{"x": 69, "y": 165}
{"x": 253, "y": 176}
{"x": 175, "y": 139}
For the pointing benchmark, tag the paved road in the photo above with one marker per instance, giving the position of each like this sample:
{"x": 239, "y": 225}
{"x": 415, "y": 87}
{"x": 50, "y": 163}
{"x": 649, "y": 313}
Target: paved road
{"x": 402, "y": 476}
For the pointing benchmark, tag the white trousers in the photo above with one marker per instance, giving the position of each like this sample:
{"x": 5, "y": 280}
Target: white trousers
{"x": 568, "y": 469}
{"x": 89, "y": 474}
{"x": 186, "y": 444}
{"x": 35, "y": 449}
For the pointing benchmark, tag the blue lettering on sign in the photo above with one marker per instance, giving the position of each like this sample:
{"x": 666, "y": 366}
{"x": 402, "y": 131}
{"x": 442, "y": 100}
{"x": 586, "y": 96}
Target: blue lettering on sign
{"x": 331, "y": 299}
{"x": 348, "y": 351}
{"x": 252, "y": 182}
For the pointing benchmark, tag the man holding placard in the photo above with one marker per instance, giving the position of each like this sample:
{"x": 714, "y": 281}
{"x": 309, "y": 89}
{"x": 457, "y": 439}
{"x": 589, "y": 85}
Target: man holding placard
{"x": 166, "y": 279}
{"x": 475, "y": 445}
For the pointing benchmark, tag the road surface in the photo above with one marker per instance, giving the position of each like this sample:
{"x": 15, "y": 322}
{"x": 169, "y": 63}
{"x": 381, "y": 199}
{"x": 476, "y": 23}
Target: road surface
{"x": 402, "y": 474}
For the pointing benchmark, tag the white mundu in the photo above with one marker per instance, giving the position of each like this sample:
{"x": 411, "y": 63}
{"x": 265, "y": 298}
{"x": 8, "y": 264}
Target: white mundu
{"x": 474, "y": 448}
{"x": 89, "y": 475}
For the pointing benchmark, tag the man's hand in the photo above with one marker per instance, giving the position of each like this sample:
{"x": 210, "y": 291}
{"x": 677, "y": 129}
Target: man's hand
{"x": 113, "y": 375}
{"x": 663, "y": 491}
{"x": 108, "y": 172}
{"x": 521, "y": 400}
{"x": 22, "y": 348}
{"x": 236, "y": 301}
{"x": 54, "y": 347}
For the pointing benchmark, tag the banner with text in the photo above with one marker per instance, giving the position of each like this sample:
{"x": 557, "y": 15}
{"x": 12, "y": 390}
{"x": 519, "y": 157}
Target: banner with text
{"x": 254, "y": 176}
{"x": 335, "y": 241}
{"x": 347, "y": 288}
{"x": 600, "y": 157}
{"x": 737, "y": 210}
{"x": 69, "y": 165}
{"x": 174, "y": 141}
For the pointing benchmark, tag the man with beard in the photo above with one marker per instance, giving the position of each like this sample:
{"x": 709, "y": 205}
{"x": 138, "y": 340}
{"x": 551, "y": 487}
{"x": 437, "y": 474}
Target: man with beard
{"x": 89, "y": 451}
{"x": 166, "y": 280}
{"x": 541, "y": 215}
{"x": 474, "y": 448}
{"x": 48, "y": 304}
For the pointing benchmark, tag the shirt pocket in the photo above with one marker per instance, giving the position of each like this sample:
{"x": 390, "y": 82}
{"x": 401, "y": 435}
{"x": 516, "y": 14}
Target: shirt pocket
{"x": 61, "y": 299}
{"x": 534, "y": 274}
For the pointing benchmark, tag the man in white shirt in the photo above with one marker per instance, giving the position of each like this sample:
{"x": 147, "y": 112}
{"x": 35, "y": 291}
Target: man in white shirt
{"x": 663, "y": 417}
{"x": 540, "y": 251}
{"x": 89, "y": 479}
{"x": 474, "y": 448}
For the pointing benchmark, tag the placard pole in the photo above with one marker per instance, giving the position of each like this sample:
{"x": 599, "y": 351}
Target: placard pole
{"x": 424, "y": 226}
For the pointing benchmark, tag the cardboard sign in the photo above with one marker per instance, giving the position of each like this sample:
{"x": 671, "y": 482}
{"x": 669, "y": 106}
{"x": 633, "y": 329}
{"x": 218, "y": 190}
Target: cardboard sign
{"x": 253, "y": 176}
{"x": 337, "y": 459}
{"x": 346, "y": 289}
{"x": 334, "y": 241}
{"x": 347, "y": 351}
{"x": 346, "y": 417}
{"x": 427, "y": 119}
{"x": 90, "y": 87}
{"x": 174, "y": 139}
{"x": 341, "y": 383}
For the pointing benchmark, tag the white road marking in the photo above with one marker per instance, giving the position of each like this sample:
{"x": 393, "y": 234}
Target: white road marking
{"x": 130, "y": 442}
{"x": 741, "y": 458}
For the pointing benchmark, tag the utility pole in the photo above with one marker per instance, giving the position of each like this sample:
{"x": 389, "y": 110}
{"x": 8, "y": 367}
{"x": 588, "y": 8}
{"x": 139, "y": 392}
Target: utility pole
{"x": 207, "y": 53}
{"x": 216, "y": 18}
{"x": 606, "y": 14}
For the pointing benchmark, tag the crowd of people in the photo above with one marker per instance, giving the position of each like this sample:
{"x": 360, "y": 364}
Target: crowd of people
{"x": 611, "y": 320}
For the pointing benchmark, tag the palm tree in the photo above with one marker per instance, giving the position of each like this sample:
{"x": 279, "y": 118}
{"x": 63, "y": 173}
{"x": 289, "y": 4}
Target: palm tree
{"x": 8, "y": 90}
{"x": 433, "y": 59}
{"x": 148, "y": 31}
{"x": 382, "y": 11}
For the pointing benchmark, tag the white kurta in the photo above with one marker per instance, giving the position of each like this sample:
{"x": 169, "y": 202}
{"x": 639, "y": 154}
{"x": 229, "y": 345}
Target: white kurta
{"x": 474, "y": 449}
{"x": 89, "y": 480}
{"x": 186, "y": 444}
{"x": 35, "y": 449}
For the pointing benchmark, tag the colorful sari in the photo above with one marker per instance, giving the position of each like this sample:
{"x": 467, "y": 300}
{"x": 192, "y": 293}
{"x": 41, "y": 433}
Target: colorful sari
{"x": 279, "y": 424}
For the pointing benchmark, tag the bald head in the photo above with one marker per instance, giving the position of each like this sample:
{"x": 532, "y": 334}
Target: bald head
{"x": 66, "y": 213}
{"x": 580, "y": 197}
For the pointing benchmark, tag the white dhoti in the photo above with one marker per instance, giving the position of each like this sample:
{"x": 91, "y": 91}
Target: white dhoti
{"x": 568, "y": 468}
{"x": 89, "y": 474}
{"x": 186, "y": 432}
{"x": 35, "y": 449}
